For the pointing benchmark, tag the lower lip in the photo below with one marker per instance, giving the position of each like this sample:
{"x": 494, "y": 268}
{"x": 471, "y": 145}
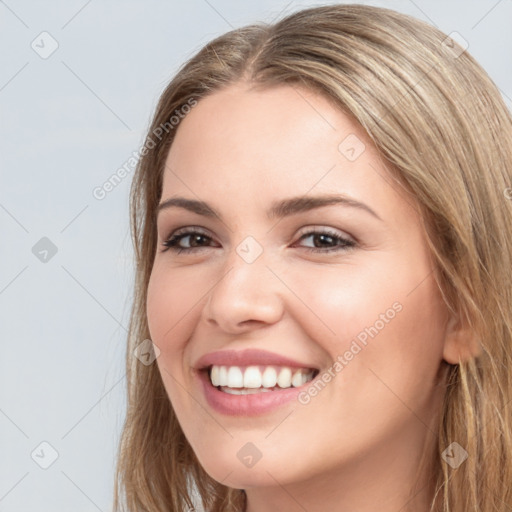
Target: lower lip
{"x": 246, "y": 405}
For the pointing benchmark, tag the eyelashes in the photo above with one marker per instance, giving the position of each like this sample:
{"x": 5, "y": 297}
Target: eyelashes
{"x": 172, "y": 243}
{"x": 194, "y": 236}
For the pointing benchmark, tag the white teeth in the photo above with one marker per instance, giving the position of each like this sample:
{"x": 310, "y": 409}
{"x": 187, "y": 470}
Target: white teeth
{"x": 252, "y": 377}
{"x": 255, "y": 379}
{"x": 223, "y": 376}
{"x": 284, "y": 379}
{"x": 297, "y": 379}
{"x": 235, "y": 377}
{"x": 214, "y": 376}
{"x": 269, "y": 378}
{"x": 244, "y": 391}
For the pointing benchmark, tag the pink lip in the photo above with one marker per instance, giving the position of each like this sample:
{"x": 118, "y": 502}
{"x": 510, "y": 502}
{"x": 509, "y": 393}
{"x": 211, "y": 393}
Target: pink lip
{"x": 246, "y": 405}
{"x": 247, "y": 357}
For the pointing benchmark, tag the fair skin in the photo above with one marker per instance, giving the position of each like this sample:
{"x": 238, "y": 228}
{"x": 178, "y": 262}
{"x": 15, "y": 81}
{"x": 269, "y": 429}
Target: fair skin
{"x": 357, "y": 445}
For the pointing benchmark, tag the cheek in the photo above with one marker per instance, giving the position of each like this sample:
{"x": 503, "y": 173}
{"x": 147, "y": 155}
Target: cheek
{"x": 172, "y": 309}
{"x": 172, "y": 303}
{"x": 381, "y": 316}
{"x": 168, "y": 307}
{"x": 342, "y": 301}
{"x": 386, "y": 350}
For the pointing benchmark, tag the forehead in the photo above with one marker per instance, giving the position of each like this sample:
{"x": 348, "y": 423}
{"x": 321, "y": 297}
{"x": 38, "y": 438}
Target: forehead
{"x": 273, "y": 143}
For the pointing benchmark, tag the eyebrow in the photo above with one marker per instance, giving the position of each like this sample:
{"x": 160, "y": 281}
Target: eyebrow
{"x": 279, "y": 209}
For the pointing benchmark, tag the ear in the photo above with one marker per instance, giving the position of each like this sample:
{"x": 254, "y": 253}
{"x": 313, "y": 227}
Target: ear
{"x": 460, "y": 341}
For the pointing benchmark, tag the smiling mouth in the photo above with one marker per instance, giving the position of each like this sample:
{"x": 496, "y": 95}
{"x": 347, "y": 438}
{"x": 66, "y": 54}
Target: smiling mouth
{"x": 246, "y": 380}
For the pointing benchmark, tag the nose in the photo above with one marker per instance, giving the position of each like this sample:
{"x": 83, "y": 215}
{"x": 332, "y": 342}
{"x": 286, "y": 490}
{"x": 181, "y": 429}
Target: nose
{"x": 247, "y": 296}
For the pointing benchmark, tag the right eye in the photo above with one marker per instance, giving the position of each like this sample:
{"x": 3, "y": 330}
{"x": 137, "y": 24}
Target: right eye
{"x": 194, "y": 239}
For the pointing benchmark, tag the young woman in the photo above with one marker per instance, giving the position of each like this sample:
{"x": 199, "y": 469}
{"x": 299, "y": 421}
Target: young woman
{"x": 322, "y": 219}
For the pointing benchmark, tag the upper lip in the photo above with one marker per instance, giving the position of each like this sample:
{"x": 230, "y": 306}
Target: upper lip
{"x": 247, "y": 357}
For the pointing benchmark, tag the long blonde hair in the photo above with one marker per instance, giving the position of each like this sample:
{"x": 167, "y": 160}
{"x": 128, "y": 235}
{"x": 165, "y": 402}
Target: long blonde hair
{"x": 441, "y": 123}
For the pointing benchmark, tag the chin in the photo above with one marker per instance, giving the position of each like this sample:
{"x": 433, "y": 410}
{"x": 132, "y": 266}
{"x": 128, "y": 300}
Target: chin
{"x": 230, "y": 471}
{"x": 244, "y": 478}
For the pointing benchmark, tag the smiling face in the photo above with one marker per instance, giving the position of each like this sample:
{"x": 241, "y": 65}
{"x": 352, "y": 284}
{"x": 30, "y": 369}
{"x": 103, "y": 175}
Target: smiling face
{"x": 319, "y": 282}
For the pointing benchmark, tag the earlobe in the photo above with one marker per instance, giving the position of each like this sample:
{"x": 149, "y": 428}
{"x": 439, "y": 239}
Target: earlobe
{"x": 461, "y": 342}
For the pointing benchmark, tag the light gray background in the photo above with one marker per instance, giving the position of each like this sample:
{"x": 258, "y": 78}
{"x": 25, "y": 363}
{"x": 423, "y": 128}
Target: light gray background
{"x": 68, "y": 122}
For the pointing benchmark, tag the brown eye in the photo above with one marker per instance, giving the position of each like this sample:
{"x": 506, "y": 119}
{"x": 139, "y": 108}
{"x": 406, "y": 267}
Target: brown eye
{"x": 327, "y": 241}
{"x": 192, "y": 240}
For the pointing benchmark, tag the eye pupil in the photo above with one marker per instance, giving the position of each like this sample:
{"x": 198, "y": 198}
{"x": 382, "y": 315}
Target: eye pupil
{"x": 324, "y": 238}
{"x": 196, "y": 238}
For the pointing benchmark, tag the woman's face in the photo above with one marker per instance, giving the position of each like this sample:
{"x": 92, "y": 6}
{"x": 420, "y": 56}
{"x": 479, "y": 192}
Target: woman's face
{"x": 343, "y": 289}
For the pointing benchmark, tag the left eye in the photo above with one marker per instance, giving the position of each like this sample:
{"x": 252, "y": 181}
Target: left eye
{"x": 323, "y": 241}
{"x": 328, "y": 240}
